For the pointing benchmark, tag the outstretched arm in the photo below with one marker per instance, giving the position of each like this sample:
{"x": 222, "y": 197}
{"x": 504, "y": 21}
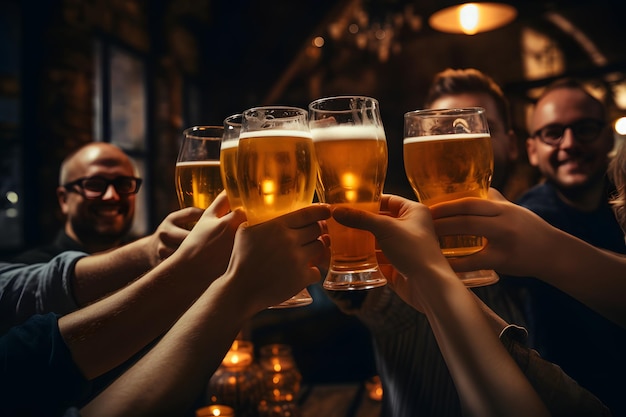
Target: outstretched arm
{"x": 72, "y": 280}
{"x": 98, "y": 275}
{"x": 521, "y": 243}
{"x": 271, "y": 262}
{"x": 486, "y": 377}
{"x": 145, "y": 309}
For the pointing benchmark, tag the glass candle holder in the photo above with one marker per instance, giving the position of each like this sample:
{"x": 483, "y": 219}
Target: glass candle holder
{"x": 215, "y": 410}
{"x": 237, "y": 382}
{"x": 281, "y": 377}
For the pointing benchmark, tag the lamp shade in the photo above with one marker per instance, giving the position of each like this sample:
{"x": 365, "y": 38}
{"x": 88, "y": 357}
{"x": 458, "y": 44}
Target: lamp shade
{"x": 472, "y": 18}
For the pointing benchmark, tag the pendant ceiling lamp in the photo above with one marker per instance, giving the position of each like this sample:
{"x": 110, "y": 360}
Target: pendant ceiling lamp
{"x": 472, "y": 18}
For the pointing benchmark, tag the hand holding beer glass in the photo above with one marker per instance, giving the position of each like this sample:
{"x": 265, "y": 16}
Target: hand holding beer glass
{"x": 198, "y": 180}
{"x": 351, "y": 154}
{"x": 276, "y": 168}
{"x": 447, "y": 156}
{"x": 228, "y": 159}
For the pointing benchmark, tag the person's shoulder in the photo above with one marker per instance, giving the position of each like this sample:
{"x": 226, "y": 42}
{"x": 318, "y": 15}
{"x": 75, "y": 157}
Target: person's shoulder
{"x": 34, "y": 256}
{"x": 540, "y": 194}
{"x": 61, "y": 243}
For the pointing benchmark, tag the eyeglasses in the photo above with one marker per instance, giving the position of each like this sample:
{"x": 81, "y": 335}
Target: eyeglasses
{"x": 95, "y": 187}
{"x": 584, "y": 131}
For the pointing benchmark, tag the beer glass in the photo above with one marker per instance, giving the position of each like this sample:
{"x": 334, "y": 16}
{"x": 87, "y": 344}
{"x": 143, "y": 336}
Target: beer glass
{"x": 351, "y": 154}
{"x": 448, "y": 155}
{"x": 228, "y": 159}
{"x": 276, "y": 168}
{"x": 198, "y": 180}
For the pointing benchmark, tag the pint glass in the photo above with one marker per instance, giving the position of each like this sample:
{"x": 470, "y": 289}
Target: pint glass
{"x": 198, "y": 180}
{"x": 228, "y": 159}
{"x": 276, "y": 168}
{"x": 351, "y": 154}
{"x": 448, "y": 155}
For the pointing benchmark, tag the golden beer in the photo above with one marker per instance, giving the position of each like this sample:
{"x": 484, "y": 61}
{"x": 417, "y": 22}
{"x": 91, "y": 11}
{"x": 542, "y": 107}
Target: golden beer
{"x": 276, "y": 172}
{"x": 352, "y": 165}
{"x": 228, "y": 170}
{"x": 198, "y": 183}
{"x": 447, "y": 167}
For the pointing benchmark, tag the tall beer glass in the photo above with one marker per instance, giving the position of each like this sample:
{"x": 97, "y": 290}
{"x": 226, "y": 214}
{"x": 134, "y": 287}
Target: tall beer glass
{"x": 448, "y": 155}
{"x": 276, "y": 168}
{"x": 351, "y": 154}
{"x": 228, "y": 159}
{"x": 198, "y": 180}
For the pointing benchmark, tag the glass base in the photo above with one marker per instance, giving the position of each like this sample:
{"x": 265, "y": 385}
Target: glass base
{"x": 480, "y": 278}
{"x": 303, "y": 298}
{"x": 354, "y": 280}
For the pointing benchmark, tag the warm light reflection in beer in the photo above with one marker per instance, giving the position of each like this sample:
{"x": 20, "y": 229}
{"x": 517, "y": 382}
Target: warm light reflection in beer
{"x": 350, "y": 184}
{"x": 269, "y": 190}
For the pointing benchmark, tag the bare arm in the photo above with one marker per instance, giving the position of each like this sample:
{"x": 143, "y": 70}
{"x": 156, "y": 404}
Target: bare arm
{"x": 521, "y": 243}
{"x": 98, "y": 275}
{"x": 487, "y": 379}
{"x": 142, "y": 311}
{"x": 270, "y": 262}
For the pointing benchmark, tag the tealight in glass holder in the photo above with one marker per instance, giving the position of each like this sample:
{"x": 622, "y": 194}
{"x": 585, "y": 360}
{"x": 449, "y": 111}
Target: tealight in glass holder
{"x": 281, "y": 382}
{"x": 238, "y": 381}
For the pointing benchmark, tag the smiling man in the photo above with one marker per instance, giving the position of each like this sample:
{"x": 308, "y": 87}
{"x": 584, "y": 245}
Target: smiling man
{"x": 96, "y": 193}
{"x": 570, "y": 142}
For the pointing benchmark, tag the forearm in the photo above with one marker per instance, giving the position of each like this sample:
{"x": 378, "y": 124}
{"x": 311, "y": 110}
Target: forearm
{"x": 591, "y": 275}
{"x": 487, "y": 379}
{"x": 196, "y": 345}
{"x": 98, "y": 275}
{"x": 108, "y": 332}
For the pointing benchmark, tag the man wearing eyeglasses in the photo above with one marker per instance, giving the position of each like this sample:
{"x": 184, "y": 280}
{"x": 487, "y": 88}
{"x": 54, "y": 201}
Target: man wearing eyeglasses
{"x": 570, "y": 144}
{"x": 97, "y": 191}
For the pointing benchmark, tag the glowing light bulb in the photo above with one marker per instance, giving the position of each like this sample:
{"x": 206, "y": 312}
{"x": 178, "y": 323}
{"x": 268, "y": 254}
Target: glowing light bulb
{"x": 620, "y": 126}
{"x": 468, "y": 18}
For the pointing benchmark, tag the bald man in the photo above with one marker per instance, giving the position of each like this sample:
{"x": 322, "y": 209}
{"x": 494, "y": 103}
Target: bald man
{"x": 97, "y": 190}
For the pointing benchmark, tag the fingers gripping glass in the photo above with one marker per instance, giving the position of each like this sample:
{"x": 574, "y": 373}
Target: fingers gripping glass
{"x": 584, "y": 131}
{"x": 95, "y": 187}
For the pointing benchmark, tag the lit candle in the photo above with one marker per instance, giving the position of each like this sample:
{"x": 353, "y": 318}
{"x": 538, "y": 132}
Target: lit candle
{"x": 239, "y": 354}
{"x": 215, "y": 410}
{"x": 374, "y": 388}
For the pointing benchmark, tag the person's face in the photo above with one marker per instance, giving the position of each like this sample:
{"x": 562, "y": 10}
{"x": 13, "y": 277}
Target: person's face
{"x": 570, "y": 164}
{"x": 503, "y": 142}
{"x": 106, "y": 219}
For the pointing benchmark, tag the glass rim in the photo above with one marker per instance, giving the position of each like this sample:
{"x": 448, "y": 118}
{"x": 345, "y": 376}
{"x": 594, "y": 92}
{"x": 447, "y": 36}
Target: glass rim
{"x": 229, "y": 119}
{"x": 194, "y": 132}
{"x": 274, "y": 107}
{"x": 373, "y": 103}
{"x": 455, "y": 111}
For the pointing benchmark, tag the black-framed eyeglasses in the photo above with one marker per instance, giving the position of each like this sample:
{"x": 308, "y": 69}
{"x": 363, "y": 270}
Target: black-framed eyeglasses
{"x": 584, "y": 131}
{"x": 95, "y": 187}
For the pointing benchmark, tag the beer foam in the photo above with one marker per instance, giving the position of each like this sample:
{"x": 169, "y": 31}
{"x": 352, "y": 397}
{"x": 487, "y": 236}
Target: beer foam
{"x": 211, "y": 163}
{"x": 348, "y": 132}
{"x": 229, "y": 144}
{"x": 452, "y": 136}
{"x": 275, "y": 132}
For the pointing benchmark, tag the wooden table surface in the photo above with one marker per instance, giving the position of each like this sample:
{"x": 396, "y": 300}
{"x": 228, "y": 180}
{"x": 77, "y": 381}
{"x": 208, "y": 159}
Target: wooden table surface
{"x": 337, "y": 400}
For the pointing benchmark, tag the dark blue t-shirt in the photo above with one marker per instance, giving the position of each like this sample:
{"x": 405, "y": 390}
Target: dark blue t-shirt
{"x": 588, "y": 347}
{"x": 38, "y": 376}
